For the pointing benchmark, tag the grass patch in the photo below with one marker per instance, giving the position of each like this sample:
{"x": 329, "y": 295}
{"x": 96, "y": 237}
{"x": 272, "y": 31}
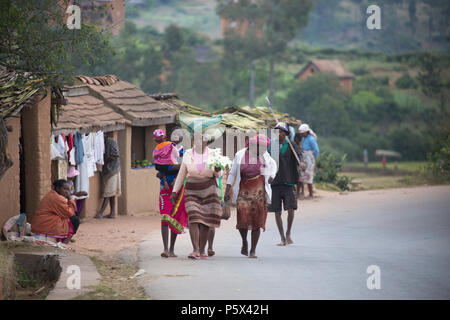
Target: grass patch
{"x": 409, "y": 166}
{"x": 371, "y": 181}
{"x": 115, "y": 283}
{"x": 4, "y": 256}
{"x": 326, "y": 186}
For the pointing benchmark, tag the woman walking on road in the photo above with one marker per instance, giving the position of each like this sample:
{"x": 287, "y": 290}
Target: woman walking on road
{"x": 202, "y": 195}
{"x": 310, "y": 151}
{"x": 250, "y": 176}
{"x": 173, "y": 216}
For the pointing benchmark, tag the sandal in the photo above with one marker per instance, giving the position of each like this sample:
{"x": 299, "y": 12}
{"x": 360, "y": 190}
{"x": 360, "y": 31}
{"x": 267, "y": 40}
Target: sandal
{"x": 165, "y": 255}
{"x": 194, "y": 256}
{"x": 211, "y": 253}
{"x": 204, "y": 257}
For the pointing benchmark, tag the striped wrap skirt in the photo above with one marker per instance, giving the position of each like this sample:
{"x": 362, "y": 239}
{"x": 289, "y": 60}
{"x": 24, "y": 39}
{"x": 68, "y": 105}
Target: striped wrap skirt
{"x": 203, "y": 201}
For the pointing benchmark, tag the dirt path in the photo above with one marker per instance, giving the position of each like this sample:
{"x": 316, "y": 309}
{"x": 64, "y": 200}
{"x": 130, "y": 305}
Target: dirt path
{"x": 112, "y": 245}
{"x": 106, "y": 238}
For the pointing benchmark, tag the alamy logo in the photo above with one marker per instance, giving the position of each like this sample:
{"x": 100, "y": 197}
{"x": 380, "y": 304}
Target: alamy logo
{"x": 74, "y": 19}
{"x": 74, "y": 280}
{"x": 374, "y": 280}
{"x": 374, "y": 20}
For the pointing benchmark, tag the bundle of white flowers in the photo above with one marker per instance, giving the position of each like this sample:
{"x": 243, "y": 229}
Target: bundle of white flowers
{"x": 216, "y": 159}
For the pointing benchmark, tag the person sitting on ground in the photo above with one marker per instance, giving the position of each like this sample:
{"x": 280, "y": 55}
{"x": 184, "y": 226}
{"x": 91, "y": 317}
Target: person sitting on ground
{"x": 55, "y": 216}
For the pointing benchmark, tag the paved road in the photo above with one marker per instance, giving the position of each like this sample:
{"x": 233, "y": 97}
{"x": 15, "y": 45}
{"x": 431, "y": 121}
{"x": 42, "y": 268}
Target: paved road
{"x": 406, "y": 232}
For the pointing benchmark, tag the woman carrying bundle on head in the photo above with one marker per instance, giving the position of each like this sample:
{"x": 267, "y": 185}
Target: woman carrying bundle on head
{"x": 202, "y": 194}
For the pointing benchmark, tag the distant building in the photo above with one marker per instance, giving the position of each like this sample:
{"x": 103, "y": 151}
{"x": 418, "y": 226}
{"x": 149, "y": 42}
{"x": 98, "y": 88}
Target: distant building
{"x": 328, "y": 66}
{"x": 240, "y": 26}
{"x": 112, "y": 18}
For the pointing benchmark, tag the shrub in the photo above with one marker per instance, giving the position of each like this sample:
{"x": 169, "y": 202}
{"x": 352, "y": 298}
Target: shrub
{"x": 406, "y": 82}
{"x": 440, "y": 158}
{"x": 343, "y": 183}
{"x": 360, "y": 70}
{"x": 327, "y": 168}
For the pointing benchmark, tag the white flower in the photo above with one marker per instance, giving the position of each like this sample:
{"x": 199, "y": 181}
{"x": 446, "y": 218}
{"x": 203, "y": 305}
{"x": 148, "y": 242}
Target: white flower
{"x": 215, "y": 159}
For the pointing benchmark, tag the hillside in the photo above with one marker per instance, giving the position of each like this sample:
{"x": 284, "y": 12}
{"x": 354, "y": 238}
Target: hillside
{"x": 406, "y": 25}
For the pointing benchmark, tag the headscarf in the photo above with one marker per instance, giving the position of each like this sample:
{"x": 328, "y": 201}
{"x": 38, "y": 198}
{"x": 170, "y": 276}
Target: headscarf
{"x": 305, "y": 128}
{"x": 260, "y": 139}
{"x": 159, "y": 134}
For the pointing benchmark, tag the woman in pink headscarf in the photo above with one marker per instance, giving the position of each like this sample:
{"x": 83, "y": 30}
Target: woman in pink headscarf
{"x": 250, "y": 176}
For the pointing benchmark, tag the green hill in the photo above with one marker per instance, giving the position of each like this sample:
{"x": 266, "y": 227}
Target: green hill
{"x": 405, "y": 25}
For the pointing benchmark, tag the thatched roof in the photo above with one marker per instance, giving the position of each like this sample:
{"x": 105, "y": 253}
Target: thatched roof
{"x": 128, "y": 100}
{"x": 17, "y": 90}
{"x": 86, "y": 113}
{"x": 241, "y": 118}
{"x": 328, "y": 66}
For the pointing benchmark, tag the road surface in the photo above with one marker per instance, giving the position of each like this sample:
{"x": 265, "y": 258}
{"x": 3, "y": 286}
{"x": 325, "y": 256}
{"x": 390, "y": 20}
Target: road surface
{"x": 403, "y": 232}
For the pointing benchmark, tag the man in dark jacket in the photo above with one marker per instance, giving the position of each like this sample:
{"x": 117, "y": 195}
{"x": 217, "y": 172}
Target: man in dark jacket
{"x": 283, "y": 184}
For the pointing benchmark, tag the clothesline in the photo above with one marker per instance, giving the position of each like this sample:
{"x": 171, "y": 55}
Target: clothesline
{"x": 83, "y": 151}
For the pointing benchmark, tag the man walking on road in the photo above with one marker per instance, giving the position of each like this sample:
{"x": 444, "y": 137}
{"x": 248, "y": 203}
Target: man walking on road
{"x": 283, "y": 184}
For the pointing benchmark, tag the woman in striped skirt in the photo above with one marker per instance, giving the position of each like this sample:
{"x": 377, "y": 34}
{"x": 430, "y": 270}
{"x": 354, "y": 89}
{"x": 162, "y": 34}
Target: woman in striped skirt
{"x": 202, "y": 196}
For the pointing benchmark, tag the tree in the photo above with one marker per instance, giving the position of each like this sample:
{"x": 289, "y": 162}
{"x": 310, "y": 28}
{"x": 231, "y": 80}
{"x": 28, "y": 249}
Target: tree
{"x": 282, "y": 22}
{"x": 431, "y": 67}
{"x": 272, "y": 25}
{"x": 37, "y": 45}
{"x": 315, "y": 99}
{"x": 34, "y": 38}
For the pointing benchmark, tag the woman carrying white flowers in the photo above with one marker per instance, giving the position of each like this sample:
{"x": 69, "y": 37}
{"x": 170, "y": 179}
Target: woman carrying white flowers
{"x": 201, "y": 167}
{"x": 250, "y": 176}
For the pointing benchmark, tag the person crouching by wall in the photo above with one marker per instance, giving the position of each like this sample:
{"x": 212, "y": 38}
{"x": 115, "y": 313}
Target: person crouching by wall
{"x": 55, "y": 216}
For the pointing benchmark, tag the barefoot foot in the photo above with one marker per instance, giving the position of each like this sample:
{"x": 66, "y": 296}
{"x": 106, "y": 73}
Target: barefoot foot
{"x": 289, "y": 240}
{"x": 244, "y": 249}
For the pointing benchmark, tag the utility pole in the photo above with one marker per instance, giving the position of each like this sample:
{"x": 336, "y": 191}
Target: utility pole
{"x": 252, "y": 84}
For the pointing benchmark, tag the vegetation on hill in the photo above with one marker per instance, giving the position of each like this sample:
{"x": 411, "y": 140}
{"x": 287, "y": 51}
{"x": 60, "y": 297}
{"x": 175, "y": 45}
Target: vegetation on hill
{"x": 399, "y": 101}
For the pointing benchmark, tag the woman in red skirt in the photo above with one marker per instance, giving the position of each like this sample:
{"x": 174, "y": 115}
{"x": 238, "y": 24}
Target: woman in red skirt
{"x": 251, "y": 173}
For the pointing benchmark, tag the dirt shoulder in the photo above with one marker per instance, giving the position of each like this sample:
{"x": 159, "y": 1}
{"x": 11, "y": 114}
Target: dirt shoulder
{"x": 106, "y": 238}
{"x": 112, "y": 245}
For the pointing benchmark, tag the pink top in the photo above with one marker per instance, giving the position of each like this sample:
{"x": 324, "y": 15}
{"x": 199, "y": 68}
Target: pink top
{"x": 251, "y": 169}
{"x": 200, "y": 159}
{"x": 189, "y": 168}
